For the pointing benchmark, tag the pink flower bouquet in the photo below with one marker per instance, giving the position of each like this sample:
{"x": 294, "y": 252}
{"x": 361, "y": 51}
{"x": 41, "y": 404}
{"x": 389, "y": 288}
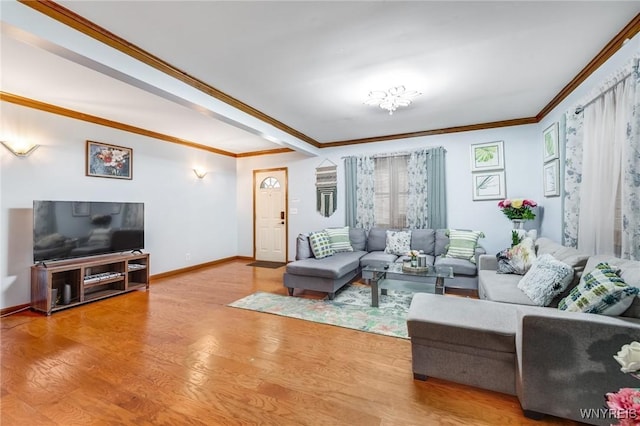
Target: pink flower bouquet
{"x": 518, "y": 208}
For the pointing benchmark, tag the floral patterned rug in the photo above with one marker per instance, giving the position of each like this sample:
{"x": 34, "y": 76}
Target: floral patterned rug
{"x": 351, "y": 308}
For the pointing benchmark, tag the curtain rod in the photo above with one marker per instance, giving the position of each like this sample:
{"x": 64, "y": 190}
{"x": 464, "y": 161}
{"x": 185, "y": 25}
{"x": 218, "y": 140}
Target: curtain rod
{"x": 393, "y": 154}
{"x": 634, "y": 71}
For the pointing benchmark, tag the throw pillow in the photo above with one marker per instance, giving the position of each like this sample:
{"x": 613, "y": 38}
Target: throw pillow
{"x": 320, "y": 244}
{"x": 462, "y": 244}
{"x": 546, "y": 279}
{"x": 339, "y": 239}
{"x": 518, "y": 259}
{"x": 398, "y": 242}
{"x": 601, "y": 291}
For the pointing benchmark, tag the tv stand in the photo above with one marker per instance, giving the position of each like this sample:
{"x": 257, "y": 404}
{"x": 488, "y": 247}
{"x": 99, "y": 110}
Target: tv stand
{"x": 88, "y": 279}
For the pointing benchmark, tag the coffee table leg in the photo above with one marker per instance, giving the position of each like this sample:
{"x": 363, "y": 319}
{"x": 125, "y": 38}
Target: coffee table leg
{"x": 440, "y": 285}
{"x": 374, "y": 293}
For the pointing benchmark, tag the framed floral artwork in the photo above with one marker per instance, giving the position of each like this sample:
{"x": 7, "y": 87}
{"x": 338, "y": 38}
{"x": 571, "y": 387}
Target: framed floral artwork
{"x": 551, "y": 178}
{"x": 110, "y": 161}
{"x": 551, "y": 146}
{"x": 489, "y": 185}
{"x": 487, "y": 156}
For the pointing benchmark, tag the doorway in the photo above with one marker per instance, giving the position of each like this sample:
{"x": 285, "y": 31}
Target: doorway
{"x": 270, "y": 228}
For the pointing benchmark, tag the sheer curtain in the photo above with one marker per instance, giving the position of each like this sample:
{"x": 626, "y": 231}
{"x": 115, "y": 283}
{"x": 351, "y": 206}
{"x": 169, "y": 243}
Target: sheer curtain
{"x": 396, "y": 190}
{"x": 602, "y": 171}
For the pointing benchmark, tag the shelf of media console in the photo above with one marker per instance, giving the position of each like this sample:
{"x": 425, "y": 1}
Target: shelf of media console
{"x": 103, "y": 278}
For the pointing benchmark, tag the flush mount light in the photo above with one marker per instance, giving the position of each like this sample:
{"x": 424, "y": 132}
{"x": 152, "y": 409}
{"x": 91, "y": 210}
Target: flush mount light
{"x": 391, "y": 99}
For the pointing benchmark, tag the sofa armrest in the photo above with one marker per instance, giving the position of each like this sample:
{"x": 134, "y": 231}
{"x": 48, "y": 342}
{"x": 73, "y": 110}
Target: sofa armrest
{"x": 479, "y": 251}
{"x": 487, "y": 262}
{"x": 565, "y": 361}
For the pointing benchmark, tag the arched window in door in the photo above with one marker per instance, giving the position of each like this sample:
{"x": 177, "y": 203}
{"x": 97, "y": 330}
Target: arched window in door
{"x": 269, "y": 183}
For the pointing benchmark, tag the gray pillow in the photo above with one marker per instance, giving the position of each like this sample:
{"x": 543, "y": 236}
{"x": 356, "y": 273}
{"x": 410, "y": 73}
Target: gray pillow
{"x": 377, "y": 239}
{"x": 358, "y": 239}
{"x": 546, "y": 279}
{"x": 303, "y": 248}
{"x": 423, "y": 239}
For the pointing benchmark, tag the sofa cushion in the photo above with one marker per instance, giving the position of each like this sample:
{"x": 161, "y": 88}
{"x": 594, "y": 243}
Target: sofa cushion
{"x": 629, "y": 272}
{"x": 462, "y": 244}
{"x": 461, "y": 321}
{"x": 376, "y": 258}
{"x": 377, "y": 239}
{"x": 547, "y": 278}
{"x": 442, "y": 241}
{"x": 303, "y": 247}
{"x": 569, "y": 255}
{"x": 398, "y": 242}
{"x": 601, "y": 291}
{"x": 339, "y": 239}
{"x": 423, "y": 239}
{"x": 358, "y": 238}
{"x": 460, "y": 266}
{"x": 320, "y": 244}
{"x": 501, "y": 288}
{"x": 334, "y": 267}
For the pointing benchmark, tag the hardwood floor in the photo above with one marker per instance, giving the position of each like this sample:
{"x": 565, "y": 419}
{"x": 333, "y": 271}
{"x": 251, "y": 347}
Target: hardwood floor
{"x": 178, "y": 355}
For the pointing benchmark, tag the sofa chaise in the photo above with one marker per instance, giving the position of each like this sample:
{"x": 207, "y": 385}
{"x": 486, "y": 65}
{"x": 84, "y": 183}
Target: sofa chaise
{"x": 556, "y": 362}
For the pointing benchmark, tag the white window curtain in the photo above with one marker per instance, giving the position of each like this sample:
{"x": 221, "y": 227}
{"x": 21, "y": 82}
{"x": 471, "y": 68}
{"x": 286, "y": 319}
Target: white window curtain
{"x": 602, "y": 170}
{"x": 391, "y": 191}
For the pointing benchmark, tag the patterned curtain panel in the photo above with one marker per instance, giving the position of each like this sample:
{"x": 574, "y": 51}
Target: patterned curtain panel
{"x": 365, "y": 194}
{"x": 572, "y": 176}
{"x": 602, "y": 169}
{"x": 417, "y": 217}
{"x": 326, "y": 189}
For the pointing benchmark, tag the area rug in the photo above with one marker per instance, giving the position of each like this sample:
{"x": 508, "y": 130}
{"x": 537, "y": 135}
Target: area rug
{"x": 351, "y": 308}
{"x": 265, "y": 264}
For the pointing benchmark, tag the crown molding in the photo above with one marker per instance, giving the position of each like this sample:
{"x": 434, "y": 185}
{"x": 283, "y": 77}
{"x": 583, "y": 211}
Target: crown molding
{"x": 628, "y": 32}
{"x": 71, "y": 19}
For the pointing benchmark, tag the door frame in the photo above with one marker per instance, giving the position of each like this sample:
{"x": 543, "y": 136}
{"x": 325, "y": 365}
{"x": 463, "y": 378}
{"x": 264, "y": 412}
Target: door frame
{"x": 286, "y": 208}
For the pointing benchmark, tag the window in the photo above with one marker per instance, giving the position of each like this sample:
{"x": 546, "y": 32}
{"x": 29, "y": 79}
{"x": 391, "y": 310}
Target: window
{"x": 269, "y": 183}
{"x": 391, "y": 191}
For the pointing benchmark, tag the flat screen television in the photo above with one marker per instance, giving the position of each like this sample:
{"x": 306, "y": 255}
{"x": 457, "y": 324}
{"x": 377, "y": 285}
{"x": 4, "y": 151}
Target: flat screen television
{"x": 70, "y": 229}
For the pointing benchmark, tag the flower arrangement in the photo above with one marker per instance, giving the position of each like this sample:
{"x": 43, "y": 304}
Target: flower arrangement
{"x": 625, "y": 404}
{"x": 518, "y": 208}
{"x": 413, "y": 254}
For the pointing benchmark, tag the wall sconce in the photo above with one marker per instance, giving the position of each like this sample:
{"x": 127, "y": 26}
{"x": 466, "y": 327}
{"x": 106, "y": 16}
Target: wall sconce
{"x": 200, "y": 173}
{"x": 20, "y": 149}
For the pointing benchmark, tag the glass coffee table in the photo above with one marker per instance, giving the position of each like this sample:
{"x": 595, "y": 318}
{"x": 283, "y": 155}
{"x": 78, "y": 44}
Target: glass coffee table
{"x": 384, "y": 276}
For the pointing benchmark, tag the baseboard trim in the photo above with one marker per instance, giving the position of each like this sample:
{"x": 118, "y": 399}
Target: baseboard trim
{"x": 196, "y": 267}
{"x": 14, "y": 309}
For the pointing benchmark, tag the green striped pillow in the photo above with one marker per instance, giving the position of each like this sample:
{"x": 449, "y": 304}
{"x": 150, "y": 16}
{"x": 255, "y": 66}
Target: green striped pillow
{"x": 320, "y": 244}
{"x": 339, "y": 239}
{"x": 462, "y": 244}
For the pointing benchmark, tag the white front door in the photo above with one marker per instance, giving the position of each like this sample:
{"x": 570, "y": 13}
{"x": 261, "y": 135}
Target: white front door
{"x": 270, "y": 220}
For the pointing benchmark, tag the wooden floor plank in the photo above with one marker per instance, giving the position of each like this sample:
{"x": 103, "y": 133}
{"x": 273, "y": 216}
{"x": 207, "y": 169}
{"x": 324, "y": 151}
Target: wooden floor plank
{"x": 178, "y": 355}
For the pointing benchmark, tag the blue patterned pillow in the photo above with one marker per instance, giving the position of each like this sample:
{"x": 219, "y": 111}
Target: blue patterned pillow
{"x": 398, "y": 242}
{"x": 601, "y": 291}
{"x": 320, "y": 244}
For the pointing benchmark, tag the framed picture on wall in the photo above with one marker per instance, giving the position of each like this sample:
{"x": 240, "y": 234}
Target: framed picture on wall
{"x": 110, "y": 161}
{"x": 550, "y": 140}
{"x": 487, "y": 156}
{"x": 489, "y": 185}
{"x": 551, "y": 178}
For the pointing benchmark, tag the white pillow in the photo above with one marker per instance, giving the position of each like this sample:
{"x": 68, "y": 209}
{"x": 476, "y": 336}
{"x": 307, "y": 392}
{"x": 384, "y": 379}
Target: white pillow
{"x": 398, "y": 242}
{"x": 546, "y": 279}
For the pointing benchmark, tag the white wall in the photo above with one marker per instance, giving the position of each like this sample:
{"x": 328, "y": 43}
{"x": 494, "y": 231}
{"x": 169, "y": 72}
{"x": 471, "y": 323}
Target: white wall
{"x": 523, "y": 157}
{"x": 182, "y": 213}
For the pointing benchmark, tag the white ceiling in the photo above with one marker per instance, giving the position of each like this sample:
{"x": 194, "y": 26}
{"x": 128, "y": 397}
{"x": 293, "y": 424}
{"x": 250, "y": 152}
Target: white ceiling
{"x": 311, "y": 64}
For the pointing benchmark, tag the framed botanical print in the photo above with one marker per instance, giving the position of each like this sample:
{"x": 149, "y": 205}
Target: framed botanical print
{"x": 551, "y": 178}
{"x": 551, "y": 146}
{"x": 489, "y": 185}
{"x": 487, "y": 156}
{"x": 111, "y": 161}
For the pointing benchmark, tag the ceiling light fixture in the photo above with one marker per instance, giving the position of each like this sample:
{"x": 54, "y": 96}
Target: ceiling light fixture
{"x": 391, "y": 99}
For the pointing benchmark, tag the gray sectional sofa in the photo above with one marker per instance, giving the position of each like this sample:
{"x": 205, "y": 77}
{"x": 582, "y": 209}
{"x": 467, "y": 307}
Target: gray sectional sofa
{"x": 556, "y": 362}
{"x": 329, "y": 274}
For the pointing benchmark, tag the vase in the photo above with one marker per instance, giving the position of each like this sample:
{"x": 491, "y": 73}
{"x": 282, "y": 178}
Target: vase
{"x": 414, "y": 262}
{"x": 518, "y": 224}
